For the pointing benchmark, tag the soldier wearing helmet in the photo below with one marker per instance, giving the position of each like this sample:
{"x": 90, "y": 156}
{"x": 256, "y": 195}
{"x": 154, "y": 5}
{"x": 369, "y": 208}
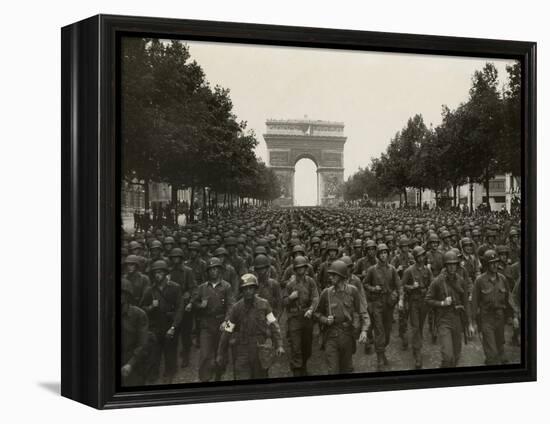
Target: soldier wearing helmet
{"x": 333, "y": 252}
{"x": 357, "y": 251}
{"x": 183, "y": 275}
{"x": 195, "y": 262}
{"x": 297, "y": 250}
{"x": 268, "y": 288}
{"x": 383, "y": 290}
{"x": 228, "y": 273}
{"x": 133, "y": 338}
{"x": 514, "y": 245}
{"x": 138, "y": 280}
{"x": 364, "y": 263}
{"x": 490, "y": 244}
{"x": 163, "y": 303}
{"x": 215, "y": 297}
{"x": 471, "y": 262}
{"x": 416, "y": 280}
{"x": 491, "y": 308}
{"x": 434, "y": 255}
{"x": 315, "y": 254}
{"x": 448, "y": 295}
{"x": 342, "y": 314}
{"x": 233, "y": 258}
{"x": 402, "y": 261}
{"x": 254, "y": 329}
{"x": 300, "y": 299}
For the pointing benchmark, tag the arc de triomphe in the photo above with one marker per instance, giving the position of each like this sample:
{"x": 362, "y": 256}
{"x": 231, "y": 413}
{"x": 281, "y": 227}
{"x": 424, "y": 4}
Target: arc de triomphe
{"x": 288, "y": 141}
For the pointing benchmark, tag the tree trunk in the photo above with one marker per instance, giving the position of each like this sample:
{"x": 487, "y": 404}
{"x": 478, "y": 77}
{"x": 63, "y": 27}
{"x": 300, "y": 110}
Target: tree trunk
{"x": 487, "y": 191}
{"x": 405, "y": 195}
{"x": 204, "y": 205}
{"x": 191, "y": 217}
{"x": 146, "y": 194}
{"x": 224, "y": 199}
{"x": 454, "y": 195}
{"x": 471, "y": 196}
{"x": 420, "y": 197}
{"x": 174, "y": 196}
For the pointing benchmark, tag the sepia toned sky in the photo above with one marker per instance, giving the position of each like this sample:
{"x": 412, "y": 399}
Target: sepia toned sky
{"x": 373, "y": 94}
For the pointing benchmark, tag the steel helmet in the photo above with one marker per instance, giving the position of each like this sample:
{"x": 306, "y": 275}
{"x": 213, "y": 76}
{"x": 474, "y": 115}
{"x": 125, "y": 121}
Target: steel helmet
{"x": 370, "y": 244}
{"x": 214, "y": 262}
{"x": 445, "y": 234}
{"x": 260, "y": 250}
{"x": 169, "y": 240}
{"x": 404, "y": 241}
{"x": 503, "y": 249}
{"x": 347, "y": 235}
{"x": 514, "y": 232}
{"x": 220, "y": 251}
{"x": 126, "y": 286}
{"x": 358, "y": 243}
{"x": 261, "y": 261}
{"x": 381, "y": 247}
{"x": 134, "y": 245}
{"x": 230, "y": 241}
{"x": 339, "y": 268}
{"x": 132, "y": 259}
{"x": 159, "y": 266}
{"x": 490, "y": 256}
{"x": 347, "y": 260}
{"x": 155, "y": 244}
{"x": 450, "y": 257}
{"x": 184, "y": 241}
{"x": 194, "y": 245}
{"x": 248, "y": 280}
{"x": 418, "y": 251}
{"x": 332, "y": 245}
{"x": 466, "y": 241}
{"x": 298, "y": 249}
{"x": 457, "y": 251}
{"x": 433, "y": 238}
{"x": 299, "y": 262}
{"x": 315, "y": 240}
{"x": 176, "y": 251}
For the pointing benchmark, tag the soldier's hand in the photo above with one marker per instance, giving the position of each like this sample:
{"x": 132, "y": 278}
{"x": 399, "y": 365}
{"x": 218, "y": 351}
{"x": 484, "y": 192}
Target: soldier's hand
{"x": 170, "y": 333}
{"x": 401, "y": 304}
{"x": 293, "y": 295}
{"x": 363, "y": 337}
{"x": 188, "y": 307}
{"x": 280, "y": 351}
{"x": 126, "y": 370}
{"x": 416, "y": 285}
{"x": 155, "y": 303}
{"x": 330, "y": 320}
{"x": 204, "y": 303}
{"x": 219, "y": 361}
{"x": 448, "y": 300}
{"x": 471, "y": 330}
{"x": 308, "y": 313}
{"x": 515, "y": 322}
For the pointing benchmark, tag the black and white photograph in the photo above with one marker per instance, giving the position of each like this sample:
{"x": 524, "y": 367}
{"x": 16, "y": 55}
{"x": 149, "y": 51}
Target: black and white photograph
{"x": 300, "y": 212}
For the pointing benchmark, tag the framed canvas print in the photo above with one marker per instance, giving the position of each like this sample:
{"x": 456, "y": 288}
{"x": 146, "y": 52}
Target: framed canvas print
{"x": 254, "y": 211}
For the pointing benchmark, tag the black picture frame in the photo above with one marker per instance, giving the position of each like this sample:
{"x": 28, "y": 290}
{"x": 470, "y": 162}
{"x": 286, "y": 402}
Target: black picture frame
{"x": 91, "y": 198}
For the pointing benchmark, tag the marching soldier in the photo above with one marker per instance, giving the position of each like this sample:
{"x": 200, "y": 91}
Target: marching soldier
{"x": 300, "y": 300}
{"x": 342, "y": 313}
{"x": 364, "y": 263}
{"x": 490, "y": 307}
{"x": 215, "y": 297}
{"x": 416, "y": 280}
{"x": 162, "y": 302}
{"x": 401, "y": 262}
{"x": 134, "y": 338}
{"x": 268, "y": 288}
{"x": 229, "y": 273}
{"x": 323, "y": 279}
{"x": 138, "y": 280}
{"x": 448, "y": 295}
{"x": 196, "y": 263}
{"x": 253, "y": 328}
{"x": 384, "y": 291}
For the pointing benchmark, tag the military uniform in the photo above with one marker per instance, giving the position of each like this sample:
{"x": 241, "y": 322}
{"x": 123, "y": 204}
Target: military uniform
{"x": 348, "y": 310}
{"x": 299, "y": 328}
{"x": 220, "y": 297}
{"x": 401, "y": 262}
{"x": 133, "y": 340}
{"x": 449, "y": 320}
{"x": 490, "y": 307}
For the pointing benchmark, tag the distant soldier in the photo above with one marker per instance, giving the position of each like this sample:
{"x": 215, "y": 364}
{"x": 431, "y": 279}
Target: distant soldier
{"x": 342, "y": 314}
{"x": 233, "y": 257}
{"x": 183, "y": 275}
{"x": 229, "y": 273}
{"x": 268, "y": 288}
{"x": 384, "y": 291}
{"x": 491, "y": 307}
{"x": 254, "y": 329}
{"x": 300, "y": 300}
{"x": 323, "y": 279}
{"x": 138, "y": 280}
{"x": 401, "y": 262}
{"x": 297, "y": 250}
{"x": 364, "y": 263}
{"x": 416, "y": 280}
{"x": 215, "y": 297}
{"x": 196, "y": 263}
{"x": 162, "y": 302}
{"x": 514, "y": 246}
{"x": 134, "y": 336}
{"x": 448, "y": 294}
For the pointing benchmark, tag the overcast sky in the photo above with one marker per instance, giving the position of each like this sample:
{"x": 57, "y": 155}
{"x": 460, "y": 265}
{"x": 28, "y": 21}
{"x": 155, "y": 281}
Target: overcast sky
{"x": 373, "y": 94}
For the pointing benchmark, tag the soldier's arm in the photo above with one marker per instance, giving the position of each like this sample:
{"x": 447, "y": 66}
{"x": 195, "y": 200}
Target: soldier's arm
{"x": 147, "y": 300}
{"x": 179, "y": 307}
{"x": 314, "y": 293}
{"x": 369, "y": 281}
{"x": 320, "y": 311}
{"x": 275, "y": 328}
{"x": 408, "y": 280}
{"x": 397, "y": 284}
{"x": 142, "y": 334}
{"x": 229, "y": 301}
{"x": 278, "y": 299}
{"x": 431, "y": 295}
{"x": 361, "y": 308}
{"x": 228, "y": 329}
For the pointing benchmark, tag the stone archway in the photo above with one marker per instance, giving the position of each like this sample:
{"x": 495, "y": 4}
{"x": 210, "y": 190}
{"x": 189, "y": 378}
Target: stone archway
{"x": 288, "y": 141}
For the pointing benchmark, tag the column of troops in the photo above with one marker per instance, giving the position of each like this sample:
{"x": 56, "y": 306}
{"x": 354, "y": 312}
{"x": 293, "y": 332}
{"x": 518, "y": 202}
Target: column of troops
{"x": 235, "y": 287}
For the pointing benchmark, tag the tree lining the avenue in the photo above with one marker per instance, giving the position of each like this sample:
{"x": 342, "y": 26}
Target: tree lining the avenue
{"x": 178, "y": 129}
{"x": 473, "y": 143}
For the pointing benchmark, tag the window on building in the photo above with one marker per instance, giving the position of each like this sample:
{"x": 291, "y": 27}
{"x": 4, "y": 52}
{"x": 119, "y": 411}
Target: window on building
{"x": 496, "y": 185}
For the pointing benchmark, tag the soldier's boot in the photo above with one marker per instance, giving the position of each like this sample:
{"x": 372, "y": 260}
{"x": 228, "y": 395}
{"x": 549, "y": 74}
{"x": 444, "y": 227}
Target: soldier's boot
{"x": 385, "y": 359}
{"x": 417, "y": 359}
{"x": 404, "y": 342}
{"x": 380, "y": 363}
{"x": 184, "y": 358}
